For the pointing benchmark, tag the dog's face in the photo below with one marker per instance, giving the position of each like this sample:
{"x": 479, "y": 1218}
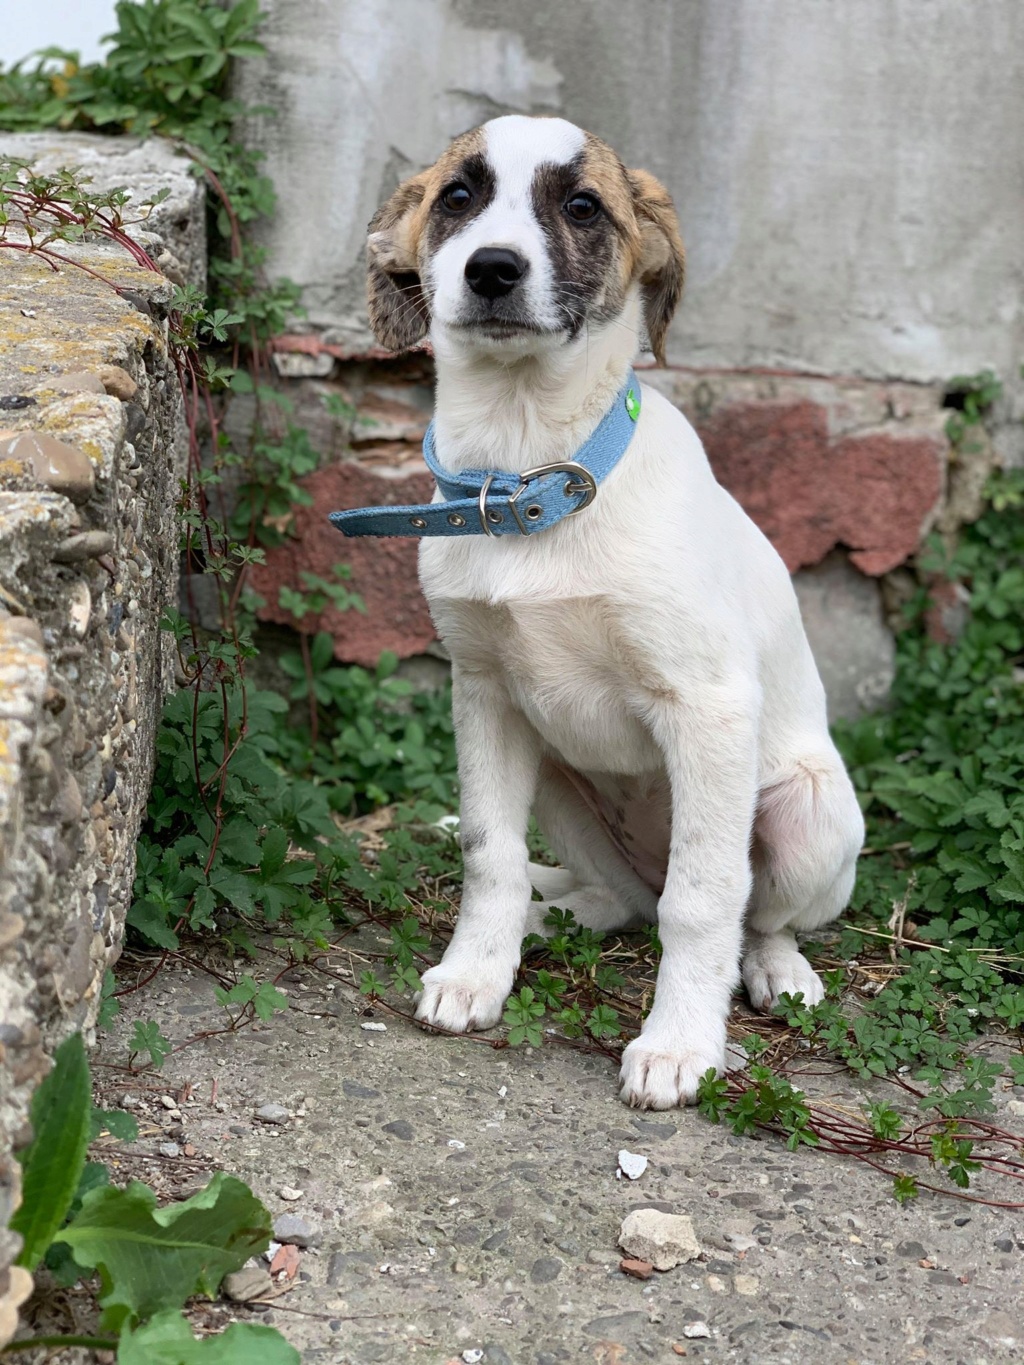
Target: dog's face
{"x": 525, "y": 233}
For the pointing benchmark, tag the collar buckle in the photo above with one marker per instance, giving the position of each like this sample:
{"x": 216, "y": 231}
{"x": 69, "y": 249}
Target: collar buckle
{"x": 581, "y": 481}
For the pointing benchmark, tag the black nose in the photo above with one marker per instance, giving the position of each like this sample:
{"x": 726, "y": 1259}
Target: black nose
{"x": 494, "y": 271}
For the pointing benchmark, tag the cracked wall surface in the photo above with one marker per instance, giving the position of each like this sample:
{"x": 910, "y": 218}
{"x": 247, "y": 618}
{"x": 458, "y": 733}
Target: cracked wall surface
{"x": 847, "y": 177}
{"x": 848, "y": 183}
{"x": 91, "y": 452}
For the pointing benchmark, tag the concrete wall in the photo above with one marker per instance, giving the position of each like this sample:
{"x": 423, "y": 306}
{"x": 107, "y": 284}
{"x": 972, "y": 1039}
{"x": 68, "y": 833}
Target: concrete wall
{"x": 91, "y": 453}
{"x": 849, "y": 180}
{"x": 849, "y": 176}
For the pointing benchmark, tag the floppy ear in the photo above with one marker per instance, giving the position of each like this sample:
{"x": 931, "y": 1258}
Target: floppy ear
{"x": 399, "y": 314}
{"x": 662, "y": 264}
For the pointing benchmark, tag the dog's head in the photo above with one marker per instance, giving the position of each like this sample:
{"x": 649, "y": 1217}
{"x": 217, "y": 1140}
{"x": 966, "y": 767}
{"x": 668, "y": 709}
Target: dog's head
{"x": 523, "y": 234}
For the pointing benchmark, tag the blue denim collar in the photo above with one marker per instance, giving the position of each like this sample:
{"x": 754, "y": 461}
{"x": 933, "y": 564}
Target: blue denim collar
{"x": 495, "y": 502}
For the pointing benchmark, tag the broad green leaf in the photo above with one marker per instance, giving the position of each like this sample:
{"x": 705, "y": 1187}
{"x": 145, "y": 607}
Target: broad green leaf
{"x": 150, "y": 1259}
{"x": 61, "y": 1113}
{"x": 150, "y": 921}
{"x": 239, "y": 841}
{"x": 168, "y": 1340}
{"x": 275, "y": 850}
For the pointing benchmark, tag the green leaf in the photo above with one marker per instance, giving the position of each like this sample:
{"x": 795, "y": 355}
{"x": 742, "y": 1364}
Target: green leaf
{"x": 904, "y": 1188}
{"x": 53, "y": 1162}
{"x": 116, "y": 1122}
{"x": 110, "y": 1006}
{"x": 168, "y": 1340}
{"x": 151, "y": 1259}
{"x": 150, "y": 921}
{"x": 268, "y": 1000}
{"x": 148, "y": 1038}
{"x": 275, "y": 850}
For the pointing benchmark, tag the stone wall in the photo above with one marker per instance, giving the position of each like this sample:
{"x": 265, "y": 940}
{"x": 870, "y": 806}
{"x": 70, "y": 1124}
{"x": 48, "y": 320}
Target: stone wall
{"x": 91, "y": 453}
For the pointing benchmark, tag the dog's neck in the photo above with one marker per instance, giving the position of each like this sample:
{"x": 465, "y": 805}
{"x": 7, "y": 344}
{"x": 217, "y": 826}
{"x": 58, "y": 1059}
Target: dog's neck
{"x": 497, "y": 413}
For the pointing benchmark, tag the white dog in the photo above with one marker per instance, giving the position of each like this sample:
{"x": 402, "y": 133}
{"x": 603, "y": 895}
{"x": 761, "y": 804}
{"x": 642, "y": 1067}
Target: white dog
{"x": 637, "y": 675}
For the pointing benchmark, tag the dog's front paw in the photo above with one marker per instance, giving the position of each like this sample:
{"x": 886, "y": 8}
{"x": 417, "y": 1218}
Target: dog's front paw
{"x": 459, "y": 999}
{"x": 656, "y": 1077}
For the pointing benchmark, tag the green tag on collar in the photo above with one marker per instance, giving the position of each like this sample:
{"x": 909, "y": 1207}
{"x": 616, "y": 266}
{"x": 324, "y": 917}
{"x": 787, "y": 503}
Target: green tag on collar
{"x": 632, "y": 404}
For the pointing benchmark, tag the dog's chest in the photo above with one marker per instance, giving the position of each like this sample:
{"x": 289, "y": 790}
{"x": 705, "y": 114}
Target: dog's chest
{"x": 570, "y": 667}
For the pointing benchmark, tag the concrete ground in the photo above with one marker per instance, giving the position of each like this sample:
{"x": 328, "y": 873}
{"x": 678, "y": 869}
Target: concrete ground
{"x": 462, "y": 1200}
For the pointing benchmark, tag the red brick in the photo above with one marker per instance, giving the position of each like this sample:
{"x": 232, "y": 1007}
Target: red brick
{"x": 383, "y": 570}
{"x": 871, "y": 492}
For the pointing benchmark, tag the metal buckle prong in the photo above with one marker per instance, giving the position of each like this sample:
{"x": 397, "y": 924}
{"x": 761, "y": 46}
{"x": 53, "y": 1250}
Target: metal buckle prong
{"x": 585, "y": 483}
{"x": 483, "y": 505}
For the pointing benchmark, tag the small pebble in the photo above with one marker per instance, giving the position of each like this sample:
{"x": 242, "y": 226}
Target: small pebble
{"x": 169, "y": 1149}
{"x": 64, "y": 468}
{"x": 117, "y": 382}
{"x": 272, "y": 1113}
{"x": 167, "y": 1102}
{"x": 289, "y": 1193}
{"x": 85, "y": 545}
{"x": 374, "y": 1028}
{"x": 401, "y": 1129}
{"x": 696, "y": 1329}
{"x": 251, "y": 1282}
{"x": 545, "y": 1269}
{"x": 293, "y": 1228}
{"x": 473, "y": 1355}
{"x": 639, "y": 1270}
{"x": 632, "y": 1164}
{"x": 664, "y": 1239}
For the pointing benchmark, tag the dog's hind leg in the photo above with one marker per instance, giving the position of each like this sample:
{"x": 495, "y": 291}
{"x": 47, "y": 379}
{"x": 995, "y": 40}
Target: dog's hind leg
{"x": 808, "y": 832}
{"x": 552, "y": 882}
{"x": 595, "y": 882}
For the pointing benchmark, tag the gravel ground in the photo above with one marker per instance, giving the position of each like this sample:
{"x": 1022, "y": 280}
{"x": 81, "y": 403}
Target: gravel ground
{"x": 460, "y": 1200}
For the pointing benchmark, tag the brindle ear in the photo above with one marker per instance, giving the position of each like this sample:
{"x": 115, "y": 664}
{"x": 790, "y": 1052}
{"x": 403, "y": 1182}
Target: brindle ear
{"x": 662, "y": 265}
{"x": 399, "y": 314}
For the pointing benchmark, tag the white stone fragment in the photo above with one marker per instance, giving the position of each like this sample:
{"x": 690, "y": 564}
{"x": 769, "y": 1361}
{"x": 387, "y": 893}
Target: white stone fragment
{"x": 739, "y": 1241}
{"x": 374, "y": 1028}
{"x": 696, "y": 1329}
{"x": 664, "y": 1239}
{"x": 632, "y": 1164}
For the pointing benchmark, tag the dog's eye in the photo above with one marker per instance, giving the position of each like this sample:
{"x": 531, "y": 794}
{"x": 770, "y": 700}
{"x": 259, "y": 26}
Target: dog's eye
{"x": 456, "y": 198}
{"x": 582, "y": 208}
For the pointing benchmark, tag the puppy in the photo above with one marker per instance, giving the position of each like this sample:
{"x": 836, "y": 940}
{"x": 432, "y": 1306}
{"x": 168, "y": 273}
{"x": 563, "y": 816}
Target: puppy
{"x": 637, "y": 675}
